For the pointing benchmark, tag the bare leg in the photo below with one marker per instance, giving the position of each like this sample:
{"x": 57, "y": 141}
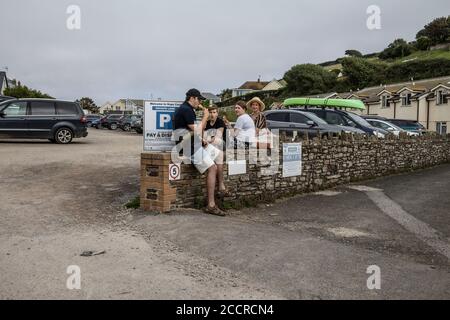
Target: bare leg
{"x": 220, "y": 177}
{"x": 211, "y": 185}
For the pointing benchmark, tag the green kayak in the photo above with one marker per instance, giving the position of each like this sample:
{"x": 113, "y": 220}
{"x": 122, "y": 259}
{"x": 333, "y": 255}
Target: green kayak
{"x": 317, "y": 102}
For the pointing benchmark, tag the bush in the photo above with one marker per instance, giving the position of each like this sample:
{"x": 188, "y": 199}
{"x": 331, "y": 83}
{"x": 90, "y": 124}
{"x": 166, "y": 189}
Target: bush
{"x": 418, "y": 69}
{"x": 397, "y": 49}
{"x": 304, "y": 79}
{"x": 423, "y": 43}
{"x": 361, "y": 73}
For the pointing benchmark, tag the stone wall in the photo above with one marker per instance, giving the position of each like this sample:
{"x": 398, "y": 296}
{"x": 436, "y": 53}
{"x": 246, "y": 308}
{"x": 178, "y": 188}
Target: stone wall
{"x": 326, "y": 163}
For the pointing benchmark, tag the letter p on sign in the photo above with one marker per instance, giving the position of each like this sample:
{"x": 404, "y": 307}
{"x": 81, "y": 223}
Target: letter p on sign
{"x": 164, "y": 120}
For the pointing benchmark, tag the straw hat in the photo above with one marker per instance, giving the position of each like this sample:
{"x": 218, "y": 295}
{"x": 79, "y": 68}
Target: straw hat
{"x": 262, "y": 106}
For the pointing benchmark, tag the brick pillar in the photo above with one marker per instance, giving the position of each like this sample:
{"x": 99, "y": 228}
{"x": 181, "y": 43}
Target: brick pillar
{"x": 156, "y": 192}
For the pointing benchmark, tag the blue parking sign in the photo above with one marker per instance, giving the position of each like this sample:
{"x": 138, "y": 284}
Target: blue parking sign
{"x": 164, "y": 120}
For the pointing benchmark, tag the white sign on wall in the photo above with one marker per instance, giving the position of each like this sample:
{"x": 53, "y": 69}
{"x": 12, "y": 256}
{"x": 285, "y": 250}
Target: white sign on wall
{"x": 292, "y": 160}
{"x": 158, "y": 127}
{"x": 237, "y": 167}
{"x": 174, "y": 172}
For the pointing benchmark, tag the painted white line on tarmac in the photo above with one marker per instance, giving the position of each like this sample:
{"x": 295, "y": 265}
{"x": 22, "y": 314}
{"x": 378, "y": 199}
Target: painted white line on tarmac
{"x": 423, "y": 231}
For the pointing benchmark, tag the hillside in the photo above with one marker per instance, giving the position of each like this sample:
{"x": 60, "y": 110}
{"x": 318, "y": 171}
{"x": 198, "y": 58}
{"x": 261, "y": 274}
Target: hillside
{"x": 418, "y": 55}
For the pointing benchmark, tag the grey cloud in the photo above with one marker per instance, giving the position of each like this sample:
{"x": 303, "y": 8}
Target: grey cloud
{"x": 137, "y": 48}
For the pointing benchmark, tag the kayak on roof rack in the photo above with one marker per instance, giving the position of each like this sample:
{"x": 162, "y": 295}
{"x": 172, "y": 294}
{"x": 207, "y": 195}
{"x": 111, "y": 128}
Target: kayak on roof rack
{"x": 333, "y": 103}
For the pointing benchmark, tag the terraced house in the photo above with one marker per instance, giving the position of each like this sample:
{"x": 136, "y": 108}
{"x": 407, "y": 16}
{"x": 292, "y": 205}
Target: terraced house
{"x": 425, "y": 101}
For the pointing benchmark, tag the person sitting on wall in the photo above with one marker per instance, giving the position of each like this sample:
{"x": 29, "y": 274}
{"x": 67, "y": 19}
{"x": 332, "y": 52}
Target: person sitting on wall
{"x": 244, "y": 131}
{"x": 184, "y": 119}
{"x": 215, "y": 136}
{"x": 262, "y": 133}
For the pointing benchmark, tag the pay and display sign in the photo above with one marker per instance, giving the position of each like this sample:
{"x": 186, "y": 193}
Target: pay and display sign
{"x": 158, "y": 126}
{"x": 292, "y": 159}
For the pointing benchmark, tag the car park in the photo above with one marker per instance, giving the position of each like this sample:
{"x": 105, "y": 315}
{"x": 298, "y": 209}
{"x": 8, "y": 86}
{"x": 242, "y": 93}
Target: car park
{"x": 390, "y": 127}
{"x": 304, "y": 122}
{"x": 56, "y": 120}
{"x": 126, "y": 123}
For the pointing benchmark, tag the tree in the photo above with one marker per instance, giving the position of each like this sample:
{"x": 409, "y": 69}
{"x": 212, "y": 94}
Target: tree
{"x": 87, "y": 104}
{"x": 226, "y": 94}
{"x": 309, "y": 79}
{"x": 397, "y": 49}
{"x": 423, "y": 43}
{"x": 21, "y": 91}
{"x": 360, "y": 73}
{"x": 437, "y": 30}
{"x": 353, "y": 53}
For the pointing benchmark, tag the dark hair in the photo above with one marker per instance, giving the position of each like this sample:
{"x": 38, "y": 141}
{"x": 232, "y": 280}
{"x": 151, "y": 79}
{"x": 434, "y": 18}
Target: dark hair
{"x": 213, "y": 107}
{"x": 242, "y": 104}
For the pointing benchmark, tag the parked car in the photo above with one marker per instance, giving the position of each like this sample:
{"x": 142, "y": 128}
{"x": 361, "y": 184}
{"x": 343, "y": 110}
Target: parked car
{"x": 138, "y": 126}
{"x": 409, "y": 125}
{"x": 96, "y": 123}
{"x": 56, "y": 120}
{"x": 305, "y": 122}
{"x": 390, "y": 127}
{"x": 126, "y": 122}
{"x": 110, "y": 121}
{"x": 91, "y": 118}
{"x": 4, "y": 98}
{"x": 347, "y": 119}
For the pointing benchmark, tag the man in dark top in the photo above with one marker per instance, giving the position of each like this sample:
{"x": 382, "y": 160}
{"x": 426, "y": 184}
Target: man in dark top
{"x": 215, "y": 136}
{"x": 185, "y": 119}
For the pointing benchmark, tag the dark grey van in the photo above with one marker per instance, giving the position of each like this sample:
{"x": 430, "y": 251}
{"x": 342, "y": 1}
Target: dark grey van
{"x": 56, "y": 120}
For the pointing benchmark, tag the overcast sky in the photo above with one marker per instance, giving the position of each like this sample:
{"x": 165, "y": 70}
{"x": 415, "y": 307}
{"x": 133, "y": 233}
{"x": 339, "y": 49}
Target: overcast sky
{"x": 137, "y": 48}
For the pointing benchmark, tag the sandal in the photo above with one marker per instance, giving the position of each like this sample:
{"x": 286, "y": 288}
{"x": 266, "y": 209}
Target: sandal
{"x": 214, "y": 211}
{"x": 225, "y": 193}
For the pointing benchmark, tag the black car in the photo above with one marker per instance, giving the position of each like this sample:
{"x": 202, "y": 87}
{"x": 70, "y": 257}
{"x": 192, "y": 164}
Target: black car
{"x": 304, "y": 122}
{"x": 111, "y": 121}
{"x": 4, "y": 98}
{"x": 347, "y": 119}
{"x": 55, "y": 120}
{"x": 91, "y": 118}
{"x": 126, "y": 123}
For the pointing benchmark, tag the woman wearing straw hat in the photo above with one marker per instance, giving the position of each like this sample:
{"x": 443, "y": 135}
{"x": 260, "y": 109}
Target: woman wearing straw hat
{"x": 262, "y": 133}
{"x": 257, "y": 107}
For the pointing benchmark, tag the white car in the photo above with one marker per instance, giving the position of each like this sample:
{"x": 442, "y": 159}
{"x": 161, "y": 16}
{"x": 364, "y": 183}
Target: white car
{"x": 390, "y": 127}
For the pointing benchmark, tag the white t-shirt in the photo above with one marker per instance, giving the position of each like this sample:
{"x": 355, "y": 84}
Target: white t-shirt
{"x": 246, "y": 126}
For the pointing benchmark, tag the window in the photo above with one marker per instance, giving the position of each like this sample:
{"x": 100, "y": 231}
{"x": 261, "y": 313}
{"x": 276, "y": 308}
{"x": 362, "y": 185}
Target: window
{"x": 441, "y": 97}
{"x": 42, "y": 108}
{"x": 298, "y": 118}
{"x": 385, "y": 101}
{"x": 66, "y": 108}
{"x": 279, "y": 116}
{"x": 16, "y": 109}
{"x": 406, "y": 99}
{"x": 334, "y": 118}
{"x": 380, "y": 125}
{"x": 441, "y": 127}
